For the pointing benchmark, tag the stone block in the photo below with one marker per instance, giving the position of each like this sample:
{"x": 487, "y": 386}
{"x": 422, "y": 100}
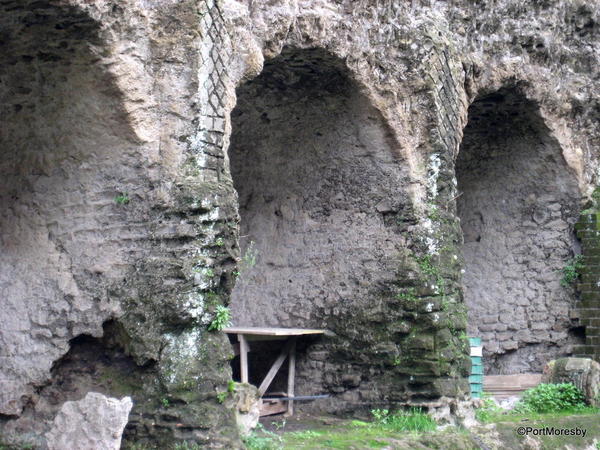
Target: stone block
{"x": 95, "y": 422}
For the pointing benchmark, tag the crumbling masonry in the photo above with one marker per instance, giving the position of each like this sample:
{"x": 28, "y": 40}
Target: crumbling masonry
{"x": 402, "y": 174}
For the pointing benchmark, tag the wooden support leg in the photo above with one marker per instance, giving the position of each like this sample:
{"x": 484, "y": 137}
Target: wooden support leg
{"x": 275, "y": 367}
{"x": 243, "y": 358}
{"x": 291, "y": 377}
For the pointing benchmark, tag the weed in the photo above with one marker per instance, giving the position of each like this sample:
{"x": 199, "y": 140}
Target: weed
{"x": 122, "y": 199}
{"x": 219, "y": 242}
{"x": 261, "y": 439}
{"x": 548, "y": 398}
{"x": 187, "y": 446}
{"x": 412, "y": 420}
{"x": 165, "y": 402}
{"x": 488, "y": 410}
{"x": 426, "y": 266}
{"x": 221, "y": 320}
{"x": 572, "y": 271}
{"x": 221, "y": 396}
{"x": 249, "y": 258}
{"x": 231, "y": 386}
{"x": 409, "y": 295}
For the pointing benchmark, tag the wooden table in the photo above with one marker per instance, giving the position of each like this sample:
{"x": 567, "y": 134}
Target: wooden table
{"x": 289, "y": 335}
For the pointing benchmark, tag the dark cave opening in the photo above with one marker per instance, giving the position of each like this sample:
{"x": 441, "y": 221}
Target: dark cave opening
{"x": 519, "y": 201}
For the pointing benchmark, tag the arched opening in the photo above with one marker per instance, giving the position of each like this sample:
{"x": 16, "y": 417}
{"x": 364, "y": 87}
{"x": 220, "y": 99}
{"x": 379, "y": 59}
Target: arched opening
{"x": 66, "y": 155}
{"x": 319, "y": 186}
{"x": 518, "y": 203}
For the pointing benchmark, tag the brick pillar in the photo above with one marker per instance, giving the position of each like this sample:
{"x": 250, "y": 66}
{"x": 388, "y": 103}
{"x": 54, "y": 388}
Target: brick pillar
{"x": 588, "y": 231}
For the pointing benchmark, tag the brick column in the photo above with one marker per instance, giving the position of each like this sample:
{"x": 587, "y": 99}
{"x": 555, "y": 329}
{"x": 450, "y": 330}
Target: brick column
{"x": 588, "y": 231}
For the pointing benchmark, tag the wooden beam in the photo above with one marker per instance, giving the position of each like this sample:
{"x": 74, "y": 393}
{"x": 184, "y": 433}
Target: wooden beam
{"x": 243, "y": 358}
{"x": 291, "y": 376}
{"x": 276, "y": 366}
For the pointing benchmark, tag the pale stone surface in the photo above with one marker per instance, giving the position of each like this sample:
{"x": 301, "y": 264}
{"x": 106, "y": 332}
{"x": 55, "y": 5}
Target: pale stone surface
{"x": 95, "y": 422}
{"x": 247, "y": 409}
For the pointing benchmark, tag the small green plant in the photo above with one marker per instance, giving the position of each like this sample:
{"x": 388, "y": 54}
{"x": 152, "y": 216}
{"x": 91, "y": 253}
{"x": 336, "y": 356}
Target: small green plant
{"x": 219, "y": 242}
{"x": 488, "y": 410}
{"x": 572, "y": 271}
{"x": 548, "y": 398}
{"x": 222, "y": 318}
{"x": 249, "y": 258}
{"x": 426, "y": 266}
{"x": 165, "y": 402}
{"x": 209, "y": 273}
{"x": 411, "y": 420}
{"x": 187, "y": 446}
{"x": 408, "y": 295}
{"x": 221, "y": 396}
{"x": 231, "y": 386}
{"x": 261, "y": 439}
{"x": 122, "y": 199}
{"x": 434, "y": 213}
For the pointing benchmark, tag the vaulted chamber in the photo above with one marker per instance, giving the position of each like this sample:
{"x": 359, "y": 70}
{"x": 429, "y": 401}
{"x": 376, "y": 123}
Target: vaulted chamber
{"x": 519, "y": 200}
{"x": 320, "y": 183}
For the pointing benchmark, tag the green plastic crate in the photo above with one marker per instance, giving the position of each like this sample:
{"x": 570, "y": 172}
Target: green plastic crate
{"x": 476, "y": 387}
{"x": 474, "y": 341}
{"x": 477, "y": 370}
{"x": 476, "y": 379}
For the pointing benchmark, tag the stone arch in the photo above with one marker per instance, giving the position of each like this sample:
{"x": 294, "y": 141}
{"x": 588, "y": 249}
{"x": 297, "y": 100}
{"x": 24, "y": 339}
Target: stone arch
{"x": 68, "y": 153}
{"x": 321, "y": 191}
{"x": 518, "y": 203}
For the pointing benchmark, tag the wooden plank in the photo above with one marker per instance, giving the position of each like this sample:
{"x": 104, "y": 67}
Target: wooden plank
{"x": 291, "y": 376}
{"x": 272, "y": 331}
{"x": 270, "y": 407}
{"x": 243, "y": 358}
{"x": 275, "y": 367}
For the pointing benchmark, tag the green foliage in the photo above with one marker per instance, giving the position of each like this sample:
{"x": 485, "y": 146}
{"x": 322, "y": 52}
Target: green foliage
{"x": 219, "y": 242}
{"x": 426, "y": 266}
{"x": 187, "y": 446}
{"x": 261, "y": 439}
{"x": 412, "y": 420}
{"x": 221, "y": 396}
{"x": 165, "y": 402}
{"x": 488, "y": 410}
{"x": 548, "y": 398}
{"x": 221, "y": 319}
{"x": 572, "y": 271}
{"x": 409, "y": 295}
{"x": 122, "y": 199}
{"x": 231, "y": 386}
{"x": 249, "y": 259}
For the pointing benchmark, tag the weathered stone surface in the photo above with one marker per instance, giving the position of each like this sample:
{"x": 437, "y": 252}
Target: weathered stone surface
{"x": 582, "y": 372}
{"x": 247, "y": 410}
{"x": 95, "y": 421}
{"x": 103, "y": 102}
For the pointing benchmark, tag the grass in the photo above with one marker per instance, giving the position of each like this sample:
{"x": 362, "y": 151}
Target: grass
{"x": 385, "y": 428}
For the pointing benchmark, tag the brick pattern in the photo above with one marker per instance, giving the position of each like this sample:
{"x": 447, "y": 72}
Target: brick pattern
{"x": 588, "y": 231}
{"x": 207, "y": 145}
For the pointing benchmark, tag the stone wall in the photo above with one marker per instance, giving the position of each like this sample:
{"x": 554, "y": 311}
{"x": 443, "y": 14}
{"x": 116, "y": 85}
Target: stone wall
{"x": 120, "y": 218}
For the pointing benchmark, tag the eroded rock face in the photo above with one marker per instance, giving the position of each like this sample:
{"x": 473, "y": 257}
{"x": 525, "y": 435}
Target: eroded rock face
{"x": 119, "y": 219}
{"x": 95, "y": 422}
